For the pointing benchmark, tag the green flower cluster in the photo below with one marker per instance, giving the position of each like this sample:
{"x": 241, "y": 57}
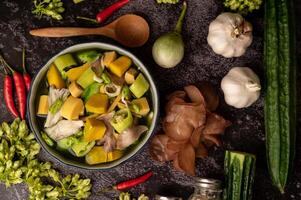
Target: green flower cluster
{"x": 51, "y": 8}
{"x": 127, "y": 196}
{"x": 168, "y": 1}
{"x": 19, "y": 164}
{"x": 243, "y": 6}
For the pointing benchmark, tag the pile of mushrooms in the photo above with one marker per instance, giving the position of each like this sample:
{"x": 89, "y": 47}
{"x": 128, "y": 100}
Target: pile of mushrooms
{"x": 189, "y": 127}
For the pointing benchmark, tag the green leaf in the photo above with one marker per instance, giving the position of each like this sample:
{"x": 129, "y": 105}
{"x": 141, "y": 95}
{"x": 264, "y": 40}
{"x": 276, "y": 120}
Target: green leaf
{"x": 6, "y": 128}
{"x": 14, "y": 126}
{"x": 54, "y": 175}
{"x": 1, "y": 132}
{"x": 77, "y": 1}
{"x": 50, "y": 8}
{"x": 22, "y": 130}
{"x": 19, "y": 163}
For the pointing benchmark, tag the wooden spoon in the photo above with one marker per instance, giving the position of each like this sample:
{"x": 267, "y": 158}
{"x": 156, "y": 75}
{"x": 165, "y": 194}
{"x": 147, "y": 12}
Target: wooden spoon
{"x": 130, "y": 30}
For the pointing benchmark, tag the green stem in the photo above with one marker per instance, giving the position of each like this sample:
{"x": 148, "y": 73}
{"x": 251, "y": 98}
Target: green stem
{"x": 5, "y": 71}
{"x": 6, "y": 64}
{"x": 4, "y": 68}
{"x": 87, "y": 19}
{"x": 179, "y": 25}
{"x": 23, "y": 61}
{"x": 69, "y": 191}
{"x": 105, "y": 190}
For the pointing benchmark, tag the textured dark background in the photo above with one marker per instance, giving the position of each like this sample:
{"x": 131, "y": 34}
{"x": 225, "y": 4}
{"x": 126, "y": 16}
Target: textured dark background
{"x": 200, "y": 63}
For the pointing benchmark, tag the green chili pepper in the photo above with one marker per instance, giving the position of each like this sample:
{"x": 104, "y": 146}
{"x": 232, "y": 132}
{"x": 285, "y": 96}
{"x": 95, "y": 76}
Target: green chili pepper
{"x": 56, "y": 106}
{"x": 78, "y": 134}
{"x": 126, "y": 94}
{"x": 81, "y": 148}
{"x": 47, "y": 139}
{"x": 122, "y": 120}
{"x": 135, "y": 108}
{"x": 66, "y": 143}
{"x": 105, "y": 77}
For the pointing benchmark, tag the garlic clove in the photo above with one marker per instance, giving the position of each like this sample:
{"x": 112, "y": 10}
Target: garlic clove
{"x": 230, "y": 35}
{"x": 252, "y": 86}
{"x": 241, "y": 87}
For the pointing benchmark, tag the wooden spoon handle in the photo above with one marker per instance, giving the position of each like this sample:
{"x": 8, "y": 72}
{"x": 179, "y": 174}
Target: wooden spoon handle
{"x": 66, "y": 32}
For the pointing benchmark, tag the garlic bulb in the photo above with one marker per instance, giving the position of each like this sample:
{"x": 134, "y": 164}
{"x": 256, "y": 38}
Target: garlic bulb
{"x": 230, "y": 35}
{"x": 241, "y": 87}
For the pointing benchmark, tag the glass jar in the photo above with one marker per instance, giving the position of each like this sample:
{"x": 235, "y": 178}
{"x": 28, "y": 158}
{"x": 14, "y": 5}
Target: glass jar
{"x": 159, "y": 197}
{"x": 207, "y": 189}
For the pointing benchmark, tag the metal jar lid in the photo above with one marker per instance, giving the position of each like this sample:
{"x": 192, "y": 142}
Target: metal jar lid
{"x": 158, "y": 197}
{"x": 211, "y": 184}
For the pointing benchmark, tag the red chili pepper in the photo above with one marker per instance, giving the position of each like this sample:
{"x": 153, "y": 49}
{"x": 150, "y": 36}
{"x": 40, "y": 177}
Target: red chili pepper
{"x": 8, "y": 93}
{"x": 133, "y": 182}
{"x": 26, "y": 76}
{"x": 107, "y": 12}
{"x": 20, "y": 89}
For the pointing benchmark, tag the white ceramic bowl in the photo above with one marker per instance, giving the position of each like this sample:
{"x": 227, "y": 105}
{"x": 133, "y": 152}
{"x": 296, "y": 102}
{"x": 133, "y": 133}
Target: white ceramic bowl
{"x": 36, "y": 123}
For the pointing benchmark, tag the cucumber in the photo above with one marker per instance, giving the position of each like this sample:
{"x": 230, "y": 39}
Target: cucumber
{"x": 252, "y": 177}
{"x": 280, "y": 103}
{"x": 271, "y": 101}
{"x": 239, "y": 175}
{"x": 288, "y": 80}
{"x": 247, "y": 174}
{"x": 284, "y": 98}
{"x": 228, "y": 176}
{"x": 237, "y": 161}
